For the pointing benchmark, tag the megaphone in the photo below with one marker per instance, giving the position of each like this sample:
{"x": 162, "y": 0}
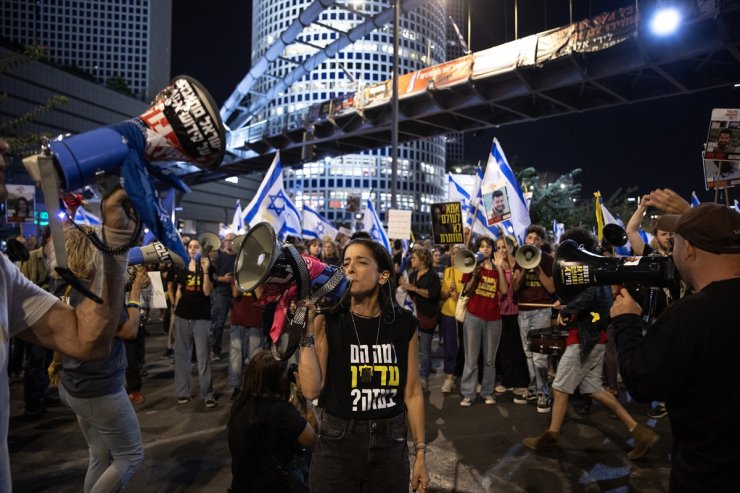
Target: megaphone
{"x": 576, "y": 269}
{"x": 465, "y": 260}
{"x": 528, "y": 256}
{"x": 285, "y": 275}
{"x": 236, "y": 243}
{"x": 152, "y": 254}
{"x": 15, "y": 250}
{"x": 182, "y": 124}
{"x": 614, "y": 234}
{"x": 209, "y": 242}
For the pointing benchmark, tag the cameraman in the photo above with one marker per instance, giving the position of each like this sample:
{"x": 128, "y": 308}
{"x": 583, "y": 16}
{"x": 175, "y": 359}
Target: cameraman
{"x": 28, "y": 311}
{"x": 689, "y": 357}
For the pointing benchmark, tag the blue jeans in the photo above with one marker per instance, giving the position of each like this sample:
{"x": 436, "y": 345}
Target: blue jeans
{"x": 220, "y": 306}
{"x": 243, "y": 343}
{"x": 536, "y": 362}
{"x": 448, "y": 327}
{"x": 425, "y": 353}
{"x": 360, "y": 455}
{"x": 479, "y": 335}
{"x": 112, "y": 431}
{"x": 188, "y": 332}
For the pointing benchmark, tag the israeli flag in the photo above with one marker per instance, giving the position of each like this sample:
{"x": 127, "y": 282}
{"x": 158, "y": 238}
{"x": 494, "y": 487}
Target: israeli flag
{"x": 557, "y": 230}
{"x": 694, "y": 200}
{"x": 624, "y": 250}
{"x": 498, "y": 170}
{"x": 317, "y": 226}
{"x": 371, "y": 224}
{"x": 84, "y": 217}
{"x": 237, "y": 222}
{"x": 476, "y": 210}
{"x": 168, "y": 205}
{"x": 272, "y": 204}
{"x": 457, "y": 192}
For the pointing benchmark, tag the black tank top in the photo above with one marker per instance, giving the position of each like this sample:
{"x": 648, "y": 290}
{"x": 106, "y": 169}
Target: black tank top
{"x": 366, "y": 380}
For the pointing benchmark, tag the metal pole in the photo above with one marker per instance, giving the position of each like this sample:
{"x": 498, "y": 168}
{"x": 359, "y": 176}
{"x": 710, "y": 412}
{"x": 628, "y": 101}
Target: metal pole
{"x": 394, "y": 104}
{"x": 470, "y": 21}
{"x": 516, "y": 19}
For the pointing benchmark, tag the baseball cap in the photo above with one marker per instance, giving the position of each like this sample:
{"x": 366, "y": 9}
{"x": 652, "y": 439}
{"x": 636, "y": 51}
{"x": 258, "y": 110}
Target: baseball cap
{"x": 710, "y": 227}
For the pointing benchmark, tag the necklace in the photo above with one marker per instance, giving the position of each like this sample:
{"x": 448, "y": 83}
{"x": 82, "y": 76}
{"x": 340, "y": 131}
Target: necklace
{"x": 366, "y": 372}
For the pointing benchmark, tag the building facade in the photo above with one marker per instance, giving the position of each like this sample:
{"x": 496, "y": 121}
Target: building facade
{"x": 124, "y": 44}
{"x": 328, "y": 185}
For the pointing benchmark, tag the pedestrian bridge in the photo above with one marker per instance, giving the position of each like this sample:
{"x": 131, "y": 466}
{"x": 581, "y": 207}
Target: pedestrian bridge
{"x": 609, "y": 60}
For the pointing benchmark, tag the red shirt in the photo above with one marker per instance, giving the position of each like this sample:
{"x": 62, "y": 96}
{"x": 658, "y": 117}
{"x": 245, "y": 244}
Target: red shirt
{"x": 484, "y": 301}
{"x": 245, "y": 312}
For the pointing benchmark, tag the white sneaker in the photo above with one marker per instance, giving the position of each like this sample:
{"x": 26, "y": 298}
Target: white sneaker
{"x": 448, "y": 385}
{"x": 466, "y": 402}
{"x": 500, "y": 389}
{"x": 490, "y": 400}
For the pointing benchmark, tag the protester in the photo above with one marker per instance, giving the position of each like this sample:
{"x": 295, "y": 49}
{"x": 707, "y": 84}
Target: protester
{"x": 424, "y": 288}
{"x": 449, "y": 327}
{"x": 362, "y": 363}
{"x": 223, "y": 271}
{"x": 689, "y": 356}
{"x": 482, "y": 325}
{"x": 192, "y": 314}
{"x": 314, "y": 248}
{"x": 264, "y": 430}
{"x": 245, "y": 333}
{"x": 329, "y": 253}
{"x": 534, "y": 288}
{"x": 95, "y": 390}
{"x": 84, "y": 332}
{"x": 587, "y": 317}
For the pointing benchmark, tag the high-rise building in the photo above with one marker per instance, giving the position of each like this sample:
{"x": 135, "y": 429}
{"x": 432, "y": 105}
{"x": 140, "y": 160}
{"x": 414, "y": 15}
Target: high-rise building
{"x": 326, "y": 185}
{"x": 120, "y": 43}
{"x": 457, "y": 12}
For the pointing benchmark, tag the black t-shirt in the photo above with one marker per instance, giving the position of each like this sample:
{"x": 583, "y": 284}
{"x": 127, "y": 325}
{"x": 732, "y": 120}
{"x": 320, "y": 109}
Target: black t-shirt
{"x": 380, "y": 394}
{"x": 429, "y": 281}
{"x": 252, "y": 445}
{"x": 223, "y": 265}
{"x": 193, "y": 304}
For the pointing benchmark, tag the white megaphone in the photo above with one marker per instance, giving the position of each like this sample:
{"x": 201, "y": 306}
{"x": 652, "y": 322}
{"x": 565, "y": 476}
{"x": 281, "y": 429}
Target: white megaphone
{"x": 153, "y": 254}
{"x": 236, "y": 243}
{"x": 182, "y": 124}
{"x": 528, "y": 256}
{"x": 465, "y": 261}
{"x": 209, "y": 242}
{"x": 285, "y": 275}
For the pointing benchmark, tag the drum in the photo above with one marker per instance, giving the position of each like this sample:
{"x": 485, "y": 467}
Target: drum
{"x": 547, "y": 341}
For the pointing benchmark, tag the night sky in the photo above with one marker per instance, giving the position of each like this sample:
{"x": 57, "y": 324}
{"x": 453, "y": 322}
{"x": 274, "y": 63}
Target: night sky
{"x": 648, "y": 145}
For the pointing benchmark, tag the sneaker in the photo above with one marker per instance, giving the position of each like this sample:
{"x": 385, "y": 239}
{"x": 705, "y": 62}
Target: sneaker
{"x": 490, "y": 400}
{"x": 644, "y": 438}
{"x": 215, "y": 356}
{"x": 210, "y": 402}
{"x": 448, "y": 385}
{"x": 183, "y": 400}
{"x": 658, "y": 411}
{"x": 136, "y": 397}
{"x": 544, "y": 404}
{"x": 525, "y": 398}
{"x": 547, "y": 440}
{"x": 500, "y": 389}
{"x": 466, "y": 402}
{"x": 168, "y": 353}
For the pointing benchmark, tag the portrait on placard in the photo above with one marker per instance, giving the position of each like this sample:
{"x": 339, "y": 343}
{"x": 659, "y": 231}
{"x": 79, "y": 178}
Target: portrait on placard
{"x": 496, "y": 201}
{"x": 19, "y": 205}
{"x": 721, "y": 158}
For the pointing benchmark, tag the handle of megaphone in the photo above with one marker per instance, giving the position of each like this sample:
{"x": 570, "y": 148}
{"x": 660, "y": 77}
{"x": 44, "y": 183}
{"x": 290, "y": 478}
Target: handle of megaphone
{"x": 76, "y": 284}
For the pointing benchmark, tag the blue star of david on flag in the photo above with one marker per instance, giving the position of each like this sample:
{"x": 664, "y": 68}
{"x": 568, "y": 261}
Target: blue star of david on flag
{"x": 317, "y": 226}
{"x": 277, "y": 202}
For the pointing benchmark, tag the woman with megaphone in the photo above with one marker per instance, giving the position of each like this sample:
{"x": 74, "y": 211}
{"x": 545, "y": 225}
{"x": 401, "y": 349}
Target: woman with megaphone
{"x": 361, "y": 361}
{"x": 482, "y": 325}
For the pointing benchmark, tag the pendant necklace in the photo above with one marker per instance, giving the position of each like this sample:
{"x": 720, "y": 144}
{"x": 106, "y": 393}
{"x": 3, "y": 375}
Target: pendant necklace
{"x": 366, "y": 371}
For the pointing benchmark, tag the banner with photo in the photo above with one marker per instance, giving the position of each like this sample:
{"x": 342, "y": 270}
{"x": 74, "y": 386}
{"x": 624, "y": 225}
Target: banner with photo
{"x": 496, "y": 202}
{"x": 447, "y": 223}
{"x": 721, "y": 157}
{"x": 20, "y": 204}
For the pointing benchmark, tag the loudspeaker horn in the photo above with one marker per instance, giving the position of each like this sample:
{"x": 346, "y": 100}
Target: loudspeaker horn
{"x": 209, "y": 242}
{"x": 182, "y": 124}
{"x": 236, "y": 243}
{"x": 465, "y": 261}
{"x": 528, "y": 256}
{"x": 152, "y": 254}
{"x": 615, "y": 235}
{"x": 576, "y": 269}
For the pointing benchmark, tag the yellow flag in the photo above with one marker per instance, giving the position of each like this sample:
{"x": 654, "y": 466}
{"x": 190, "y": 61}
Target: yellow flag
{"x": 599, "y": 216}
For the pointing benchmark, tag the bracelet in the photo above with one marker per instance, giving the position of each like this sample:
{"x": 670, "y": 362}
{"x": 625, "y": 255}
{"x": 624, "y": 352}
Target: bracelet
{"x": 419, "y": 448}
{"x": 133, "y": 304}
{"x": 307, "y": 341}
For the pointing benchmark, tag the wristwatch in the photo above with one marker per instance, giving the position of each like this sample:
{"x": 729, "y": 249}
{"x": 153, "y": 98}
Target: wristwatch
{"x": 307, "y": 341}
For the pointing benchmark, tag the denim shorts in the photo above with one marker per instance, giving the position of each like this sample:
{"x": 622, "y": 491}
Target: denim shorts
{"x": 360, "y": 455}
{"x": 572, "y": 373}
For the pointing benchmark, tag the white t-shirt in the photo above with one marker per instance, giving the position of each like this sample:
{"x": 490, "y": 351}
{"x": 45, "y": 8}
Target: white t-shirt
{"x": 22, "y": 304}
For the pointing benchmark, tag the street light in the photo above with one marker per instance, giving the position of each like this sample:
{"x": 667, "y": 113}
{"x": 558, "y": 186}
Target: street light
{"x": 665, "y": 21}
